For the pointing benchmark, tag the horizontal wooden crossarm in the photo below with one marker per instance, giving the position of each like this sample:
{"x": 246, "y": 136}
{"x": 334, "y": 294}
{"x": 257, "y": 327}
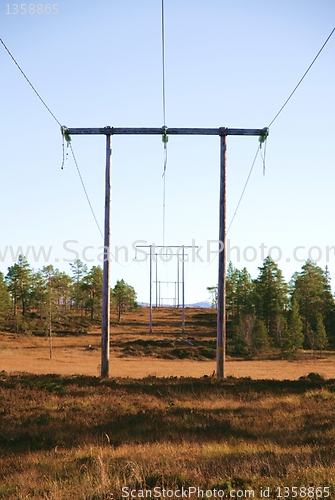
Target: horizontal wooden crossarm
{"x": 159, "y": 131}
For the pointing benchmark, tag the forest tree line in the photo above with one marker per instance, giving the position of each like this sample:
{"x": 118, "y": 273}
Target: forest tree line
{"x": 262, "y": 314}
{"x": 49, "y": 294}
{"x": 266, "y": 312}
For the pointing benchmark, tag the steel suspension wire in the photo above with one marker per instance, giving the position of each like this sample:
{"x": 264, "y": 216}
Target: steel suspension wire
{"x": 165, "y": 139}
{"x": 243, "y": 191}
{"x": 59, "y": 123}
{"x": 273, "y": 120}
{"x": 90, "y": 205}
{"x": 163, "y": 64}
{"x": 31, "y": 85}
{"x": 84, "y": 188}
{"x": 302, "y": 78}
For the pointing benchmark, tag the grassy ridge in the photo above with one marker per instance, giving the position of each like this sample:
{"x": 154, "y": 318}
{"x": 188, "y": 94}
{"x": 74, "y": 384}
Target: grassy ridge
{"x": 80, "y": 437}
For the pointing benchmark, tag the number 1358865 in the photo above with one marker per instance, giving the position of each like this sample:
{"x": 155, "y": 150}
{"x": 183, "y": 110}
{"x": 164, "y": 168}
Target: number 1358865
{"x": 32, "y": 8}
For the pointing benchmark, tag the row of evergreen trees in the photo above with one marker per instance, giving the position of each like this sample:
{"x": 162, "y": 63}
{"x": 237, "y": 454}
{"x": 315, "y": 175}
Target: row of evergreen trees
{"x": 269, "y": 313}
{"x": 48, "y": 292}
{"x": 262, "y": 314}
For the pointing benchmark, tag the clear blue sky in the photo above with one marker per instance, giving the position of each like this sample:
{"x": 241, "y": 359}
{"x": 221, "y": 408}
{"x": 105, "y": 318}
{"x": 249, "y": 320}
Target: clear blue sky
{"x": 230, "y": 64}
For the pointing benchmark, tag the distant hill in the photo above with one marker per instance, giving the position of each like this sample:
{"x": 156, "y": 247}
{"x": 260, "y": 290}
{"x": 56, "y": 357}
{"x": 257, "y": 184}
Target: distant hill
{"x": 203, "y": 304}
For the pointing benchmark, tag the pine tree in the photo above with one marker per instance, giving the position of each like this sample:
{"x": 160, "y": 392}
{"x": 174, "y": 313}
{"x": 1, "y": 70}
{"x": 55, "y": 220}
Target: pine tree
{"x": 124, "y": 298}
{"x": 329, "y": 306}
{"x": 79, "y": 270}
{"x": 313, "y": 294}
{"x": 48, "y": 273}
{"x": 271, "y": 297}
{"x": 231, "y": 318}
{"x": 5, "y": 302}
{"x": 19, "y": 282}
{"x": 244, "y": 294}
{"x": 231, "y": 285}
{"x": 62, "y": 288}
{"x": 39, "y": 293}
{"x": 92, "y": 285}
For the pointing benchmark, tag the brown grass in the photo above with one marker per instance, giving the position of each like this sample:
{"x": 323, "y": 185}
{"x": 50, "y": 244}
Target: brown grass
{"x": 65, "y": 436}
{"x": 82, "y": 438}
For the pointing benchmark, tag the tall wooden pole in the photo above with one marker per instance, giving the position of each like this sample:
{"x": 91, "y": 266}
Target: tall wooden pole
{"x": 221, "y": 316}
{"x": 106, "y": 268}
{"x": 150, "y": 293}
{"x": 183, "y": 292}
{"x": 178, "y": 280}
{"x": 50, "y": 324}
{"x": 156, "y": 281}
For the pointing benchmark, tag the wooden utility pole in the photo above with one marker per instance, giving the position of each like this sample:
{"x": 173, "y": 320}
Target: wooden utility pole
{"x": 221, "y": 312}
{"x": 50, "y": 329}
{"x": 106, "y": 287}
{"x": 183, "y": 292}
{"x": 150, "y": 320}
{"x": 222, "y": 132}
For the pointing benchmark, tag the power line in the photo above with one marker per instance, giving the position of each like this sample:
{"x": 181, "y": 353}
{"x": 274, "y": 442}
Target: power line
{"x": 163, "y": 63}
{"x": 31, "y": 85}
{"x": 164, "y": 137}
{"x": 302, "y": 78}
{"x": 84, "y": 188}
{"x": 245, "y": 186}
{"x": 276, "y": 116}
{"x": 51, "y": 113}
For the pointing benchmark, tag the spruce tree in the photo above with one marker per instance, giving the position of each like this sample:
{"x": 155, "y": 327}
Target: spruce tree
{"x": 295, "y": 326}
{"x": 320, "y": 335}
{"x": 260, "y": 338}
{"x": 239, "y": 344}
{"x": 240, "y": 308}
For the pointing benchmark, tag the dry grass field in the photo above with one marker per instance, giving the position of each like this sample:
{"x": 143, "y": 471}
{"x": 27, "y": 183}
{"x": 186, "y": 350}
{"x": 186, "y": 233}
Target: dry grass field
{"x": 82, "y": 438}
{"x": 136, "y": 353}
{"x": 161, "y": 422}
